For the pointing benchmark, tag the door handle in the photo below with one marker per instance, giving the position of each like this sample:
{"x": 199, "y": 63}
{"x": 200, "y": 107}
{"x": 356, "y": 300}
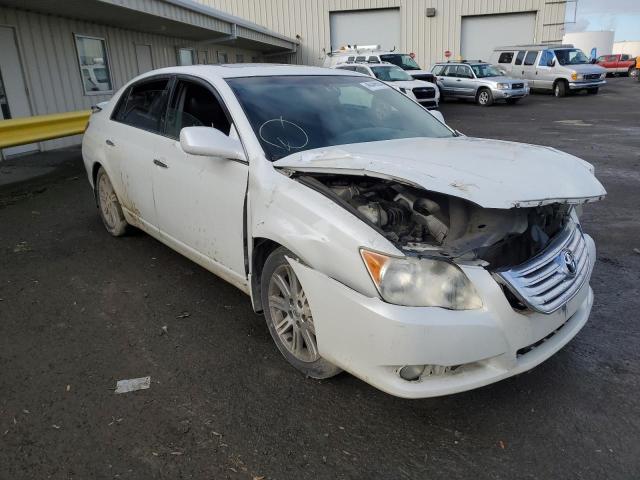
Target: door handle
{"x": 110, "y": 143}
{"x": 459, "y": 80}
{"x": 159, "y": 163}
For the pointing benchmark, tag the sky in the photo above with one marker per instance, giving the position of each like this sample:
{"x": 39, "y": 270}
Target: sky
{"x": 622, "y": 16}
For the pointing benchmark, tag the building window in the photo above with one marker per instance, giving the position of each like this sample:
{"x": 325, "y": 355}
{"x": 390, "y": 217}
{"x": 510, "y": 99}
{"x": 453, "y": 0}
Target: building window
{"x": 94, "y": 65}
{"x": 239, "y": 58}
{"x": 222, "y": 57}
{"x": 255, "y": 59}
{"x": 186, "y": 56}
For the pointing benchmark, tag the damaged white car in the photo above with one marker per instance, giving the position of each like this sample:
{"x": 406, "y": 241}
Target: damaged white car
{"x": 374, "y": 238}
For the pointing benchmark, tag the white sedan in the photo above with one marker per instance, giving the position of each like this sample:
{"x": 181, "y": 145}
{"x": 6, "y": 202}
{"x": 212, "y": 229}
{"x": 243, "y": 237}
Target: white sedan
{"x": 373, "y": 237}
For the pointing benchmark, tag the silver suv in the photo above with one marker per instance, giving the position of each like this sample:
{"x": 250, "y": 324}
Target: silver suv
{"x": 478, "y": 81}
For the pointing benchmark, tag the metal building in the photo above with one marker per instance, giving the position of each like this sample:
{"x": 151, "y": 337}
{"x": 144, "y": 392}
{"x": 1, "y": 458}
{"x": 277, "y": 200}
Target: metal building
{"x": 428, "y": 28}
{"x": 60, "y": 56}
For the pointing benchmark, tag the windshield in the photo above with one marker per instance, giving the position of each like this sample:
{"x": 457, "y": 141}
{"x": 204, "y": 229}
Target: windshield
{"x": 486, "y": 70}
{"x": 571, "y": 56}
{"x": 402, "y": 60}
{"x": 391, "y": 74}
{"x": 294, "y": 113}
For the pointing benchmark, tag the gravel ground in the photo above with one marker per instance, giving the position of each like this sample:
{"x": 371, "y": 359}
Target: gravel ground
{"x": 80, "y": 310}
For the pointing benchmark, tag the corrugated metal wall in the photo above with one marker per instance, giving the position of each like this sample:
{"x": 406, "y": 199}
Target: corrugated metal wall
{"x": 50, "y": 63}
{"x": 427, "y": 37}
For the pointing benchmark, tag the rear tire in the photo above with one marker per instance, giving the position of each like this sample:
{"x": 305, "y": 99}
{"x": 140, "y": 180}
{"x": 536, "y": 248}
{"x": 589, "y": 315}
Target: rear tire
{"x": 109, "y": 205}
{"x": 485, "y": 97}
{"x": 289, "y": 318}
{"x": 560, "y": 89}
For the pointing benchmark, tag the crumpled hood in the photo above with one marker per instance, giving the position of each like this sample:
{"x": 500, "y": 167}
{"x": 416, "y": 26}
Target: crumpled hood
{"x": 489, "y": 173}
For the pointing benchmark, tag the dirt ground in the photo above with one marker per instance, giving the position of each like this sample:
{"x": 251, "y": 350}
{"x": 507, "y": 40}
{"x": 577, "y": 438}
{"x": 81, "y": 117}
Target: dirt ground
{"x": 80, "y": 310}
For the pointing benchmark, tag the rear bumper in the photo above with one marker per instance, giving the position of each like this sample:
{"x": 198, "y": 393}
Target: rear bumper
{"x": 587, "y": 84}
{"x": 373, "y": 340}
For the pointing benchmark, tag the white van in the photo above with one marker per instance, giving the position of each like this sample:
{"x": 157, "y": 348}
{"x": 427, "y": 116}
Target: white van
{"x": 375, "y": 54}
{"x": 559, "y": 68}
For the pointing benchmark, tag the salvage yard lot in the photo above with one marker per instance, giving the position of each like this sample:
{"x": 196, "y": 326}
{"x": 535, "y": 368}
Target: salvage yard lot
{"x": 80, "y": 310}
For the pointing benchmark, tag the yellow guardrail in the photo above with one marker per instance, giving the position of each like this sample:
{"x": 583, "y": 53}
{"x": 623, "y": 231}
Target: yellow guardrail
{"x": 18, "y": 131}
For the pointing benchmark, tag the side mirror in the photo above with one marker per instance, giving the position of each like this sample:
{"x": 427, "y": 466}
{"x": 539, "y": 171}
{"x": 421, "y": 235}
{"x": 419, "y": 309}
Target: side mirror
{"x": 210, "y": 142}
{"x": 438, "y": 115}
{"x": 551, "y": 62}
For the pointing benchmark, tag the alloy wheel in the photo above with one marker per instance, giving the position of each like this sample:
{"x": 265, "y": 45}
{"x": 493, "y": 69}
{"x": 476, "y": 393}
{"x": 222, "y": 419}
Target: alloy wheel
{"x": 108, "y": 202}
{"x": 291, "y": 314}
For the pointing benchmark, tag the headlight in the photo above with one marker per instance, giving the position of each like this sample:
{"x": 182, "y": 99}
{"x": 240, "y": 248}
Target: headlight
{"x": 574, "y": 76}
{"x": 424, "y": 282}
{"x": 503, "y": 86}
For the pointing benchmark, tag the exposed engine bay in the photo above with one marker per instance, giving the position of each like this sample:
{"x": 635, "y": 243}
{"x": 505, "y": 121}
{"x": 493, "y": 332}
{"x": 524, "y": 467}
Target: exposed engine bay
{"x": 421, "y": 222}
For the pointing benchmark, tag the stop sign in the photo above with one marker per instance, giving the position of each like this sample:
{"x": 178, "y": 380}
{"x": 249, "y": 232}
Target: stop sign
{"x": 447, "y": 53}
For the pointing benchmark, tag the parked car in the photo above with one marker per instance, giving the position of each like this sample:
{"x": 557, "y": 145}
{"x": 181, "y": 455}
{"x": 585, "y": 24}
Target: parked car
{"x": 425, "y": 93}
{"x": 618, "y": 63}
{"x": 374, "y": 54}
{"x": 558, "y": 68}
{"x": 478, "y": 81}
{"x": 374, "y": 238}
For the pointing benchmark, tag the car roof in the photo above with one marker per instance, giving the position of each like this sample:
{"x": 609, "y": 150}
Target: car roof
{"x": 236, "y": 70}
{"x": 462, "y": 63}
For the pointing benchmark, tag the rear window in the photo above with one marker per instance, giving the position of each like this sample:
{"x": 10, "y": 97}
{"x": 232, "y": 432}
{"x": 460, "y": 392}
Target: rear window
{"x": 505, "y": 57}
{"x": 520, "y": 57}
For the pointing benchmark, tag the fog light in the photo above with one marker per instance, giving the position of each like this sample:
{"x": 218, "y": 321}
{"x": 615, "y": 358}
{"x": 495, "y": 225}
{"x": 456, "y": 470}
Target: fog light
{"x": 411, "y": 372}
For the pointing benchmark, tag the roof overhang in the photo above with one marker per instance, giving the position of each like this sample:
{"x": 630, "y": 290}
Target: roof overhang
{"x": 185, "y": 19}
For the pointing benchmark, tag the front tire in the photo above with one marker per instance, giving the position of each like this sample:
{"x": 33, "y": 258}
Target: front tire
{"x": 289, "y": 318}
{"x": 109, "y": 205}
{"x": 485, "y": 97}
{"x": 560, "y": 89}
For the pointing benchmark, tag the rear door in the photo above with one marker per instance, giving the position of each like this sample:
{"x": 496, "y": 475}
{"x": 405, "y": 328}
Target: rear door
{"x": 518, "y": 70}
{"x": 529, "y": 68}
{"x": 131, "y": 146}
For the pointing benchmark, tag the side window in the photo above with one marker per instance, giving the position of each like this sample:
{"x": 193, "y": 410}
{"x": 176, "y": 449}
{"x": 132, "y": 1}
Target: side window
{"x": 530, "y": 58}
{"x": 545, "y": 58}
{"x": 625, "y": 57}
{"x": 520, "y": 57}
{"x": 194, "y": 105}
{"x": 144, "y": 105}
{"x": 505, "y": 57}
{"x": 450, "y": 71}
{"x": 361, "y": 59}
{"x": 350, "y": 59}
{"x": 602, "y": 58}
{"x": 437, "y": 70}
{"x": 465, "y": 72}
{"x": 373, "y": 59}
{"x": 363, "y": 70}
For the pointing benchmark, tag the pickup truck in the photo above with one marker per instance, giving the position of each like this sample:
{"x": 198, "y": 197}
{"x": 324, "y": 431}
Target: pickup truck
{"x": 618, "y": 63}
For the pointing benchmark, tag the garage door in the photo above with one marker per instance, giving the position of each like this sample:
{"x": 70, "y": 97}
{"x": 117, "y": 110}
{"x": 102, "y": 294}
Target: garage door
{"x": 366, "y": 27}
{"x": 482, "y": 33}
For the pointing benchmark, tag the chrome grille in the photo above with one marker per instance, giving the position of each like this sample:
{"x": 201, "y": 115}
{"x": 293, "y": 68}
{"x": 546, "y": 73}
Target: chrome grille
{"x": 549, "y": 280}
{"x": 517, "y": 86}
{"x": 592, "y": 76}
{"x": 424, "y": 92}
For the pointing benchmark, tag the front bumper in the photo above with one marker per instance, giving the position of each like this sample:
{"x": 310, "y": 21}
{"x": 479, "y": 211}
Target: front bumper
{"x": 586, "y": 84}
{"x": 509, "y": 93}
{"x": 429, "y": 104}
{"x": 373, "y": 339}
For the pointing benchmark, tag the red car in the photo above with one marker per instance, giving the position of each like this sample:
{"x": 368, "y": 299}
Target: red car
{"x": 618, "y": 63}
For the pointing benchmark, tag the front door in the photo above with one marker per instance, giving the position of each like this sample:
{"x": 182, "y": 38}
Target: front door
{"x": 545, "y": 72}
{"x": 13, "y": 92}
{"x": 466, "y": 81}
{"x": 132, "y": 144}
{"x": 200, "y": 199}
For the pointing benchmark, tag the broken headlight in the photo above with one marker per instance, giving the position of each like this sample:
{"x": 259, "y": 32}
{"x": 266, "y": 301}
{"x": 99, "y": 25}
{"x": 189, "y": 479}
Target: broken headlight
{"x": 421, "y": 282}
